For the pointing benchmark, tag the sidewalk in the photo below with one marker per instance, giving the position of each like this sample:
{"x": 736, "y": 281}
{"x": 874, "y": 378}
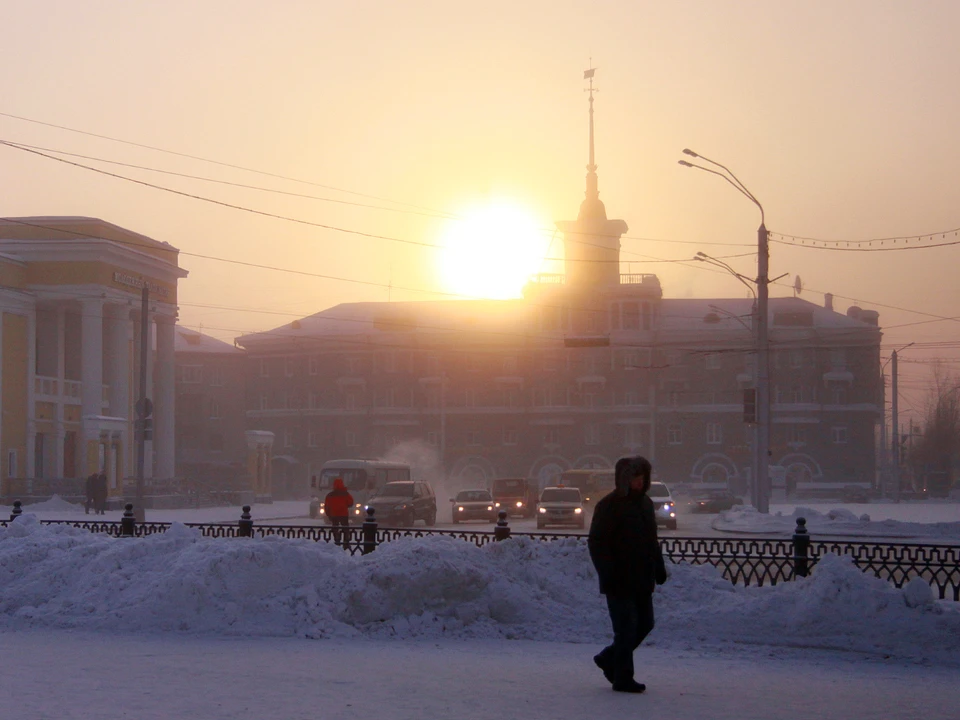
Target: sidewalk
{"x": 73, "y": 675}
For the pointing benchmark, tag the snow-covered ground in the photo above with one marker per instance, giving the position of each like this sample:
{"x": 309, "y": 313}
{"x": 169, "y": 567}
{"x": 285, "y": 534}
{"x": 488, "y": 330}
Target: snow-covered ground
{"x": 927, "y": 522}
{"x": 176, "y": 625}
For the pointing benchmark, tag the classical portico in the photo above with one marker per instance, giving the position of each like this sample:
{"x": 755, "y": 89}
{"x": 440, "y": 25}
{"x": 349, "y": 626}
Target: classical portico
{"x": 84, "y": 279}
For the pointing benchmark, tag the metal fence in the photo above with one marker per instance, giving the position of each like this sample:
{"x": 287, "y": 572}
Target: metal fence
{"x": 743, "y": 561}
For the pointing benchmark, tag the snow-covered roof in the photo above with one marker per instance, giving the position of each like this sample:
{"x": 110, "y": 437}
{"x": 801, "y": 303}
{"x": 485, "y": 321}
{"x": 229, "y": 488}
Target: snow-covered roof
{"x": 191, "y": 341}
{"x": 705, "y": 314}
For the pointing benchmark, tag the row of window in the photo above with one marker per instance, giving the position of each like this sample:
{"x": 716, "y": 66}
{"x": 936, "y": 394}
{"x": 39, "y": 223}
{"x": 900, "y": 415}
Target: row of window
{"x": 198, "y": 374}
{"x": 630, "y": 435}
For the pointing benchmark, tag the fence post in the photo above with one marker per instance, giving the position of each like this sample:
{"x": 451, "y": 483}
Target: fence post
{"x": 245, "y": 526}
{"x": 128, "y": 522}
{"x": 502, "y": 530}
{"x": 801, "y": 544}
{"x": 17, "y": 510}
{"x": 369, "y": 530}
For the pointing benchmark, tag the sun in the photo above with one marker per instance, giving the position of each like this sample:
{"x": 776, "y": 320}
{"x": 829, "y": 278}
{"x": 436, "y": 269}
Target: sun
{"x": 491, "y": 250}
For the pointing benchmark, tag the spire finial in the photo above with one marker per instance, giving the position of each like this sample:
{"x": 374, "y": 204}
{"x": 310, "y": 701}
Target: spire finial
{"x": 592, "y": 199}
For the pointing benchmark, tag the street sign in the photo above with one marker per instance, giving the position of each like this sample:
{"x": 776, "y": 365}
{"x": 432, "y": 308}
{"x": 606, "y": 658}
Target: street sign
{"x": 144, "y": 407}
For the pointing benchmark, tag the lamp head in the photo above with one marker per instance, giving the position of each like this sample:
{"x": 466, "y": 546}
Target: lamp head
{"x": 691, "y": 153}
{"x": 684, "y": 163}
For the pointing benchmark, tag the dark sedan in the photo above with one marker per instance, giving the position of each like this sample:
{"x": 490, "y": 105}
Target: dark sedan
{"x": 714, "y": 501}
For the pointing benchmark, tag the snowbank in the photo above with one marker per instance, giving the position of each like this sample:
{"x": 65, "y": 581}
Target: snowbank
{"x": 55, "y": 504}
{"x": 839, "y": 521}
{"x": 58, "y": 576}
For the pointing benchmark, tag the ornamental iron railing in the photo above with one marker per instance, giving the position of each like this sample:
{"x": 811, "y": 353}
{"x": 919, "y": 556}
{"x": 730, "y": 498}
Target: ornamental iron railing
{"x": 743, "y": 561}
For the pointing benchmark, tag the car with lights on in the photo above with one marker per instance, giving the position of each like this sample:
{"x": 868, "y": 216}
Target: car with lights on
{"x": 474, "y": 505}
{"x": 664, "y": 507}
{"x": 401, "y": 504}
{"x": 560, "y": 506}
{"x": 714, "y": 501}
{"x": 362, "y": 479}
{"x": 518, "y": 496}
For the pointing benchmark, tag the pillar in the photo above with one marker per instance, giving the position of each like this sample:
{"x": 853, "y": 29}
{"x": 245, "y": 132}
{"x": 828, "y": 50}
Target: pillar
{"x": 31, "y": 403}
{"x": 163, "y": 401}
{"x": 119, "y": 379}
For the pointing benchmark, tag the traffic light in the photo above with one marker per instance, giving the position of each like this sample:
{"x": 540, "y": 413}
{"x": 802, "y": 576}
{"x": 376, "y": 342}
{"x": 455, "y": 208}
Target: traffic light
{"x": 750, "y": 405}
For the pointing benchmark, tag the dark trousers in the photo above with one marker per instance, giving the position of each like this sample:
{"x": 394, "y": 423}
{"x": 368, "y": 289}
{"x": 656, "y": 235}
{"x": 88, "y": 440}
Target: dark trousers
{"x": 338, "y": 523}
{"x": 632, "y": 619}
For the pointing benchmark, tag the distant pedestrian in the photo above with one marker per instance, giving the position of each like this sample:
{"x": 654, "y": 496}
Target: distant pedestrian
{"x": 336, "y": 506}
{"x": 626, "y": 554}
{"x": 90, "y": 486}
{"x": 100, "y": 494}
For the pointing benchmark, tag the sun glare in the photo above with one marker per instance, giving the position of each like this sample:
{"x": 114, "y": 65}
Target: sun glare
{"x": 491, "y": 251}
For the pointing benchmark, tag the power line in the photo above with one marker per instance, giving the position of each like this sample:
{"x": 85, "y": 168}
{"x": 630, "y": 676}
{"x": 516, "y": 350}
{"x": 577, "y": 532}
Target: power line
{"x": 889, "y": 244}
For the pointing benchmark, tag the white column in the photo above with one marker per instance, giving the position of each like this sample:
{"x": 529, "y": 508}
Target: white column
{"x": 120, "y": 382}
{"x": 163, "y": 402}
{"x": 91, "y": 362}
{"x": 58, "y": 418}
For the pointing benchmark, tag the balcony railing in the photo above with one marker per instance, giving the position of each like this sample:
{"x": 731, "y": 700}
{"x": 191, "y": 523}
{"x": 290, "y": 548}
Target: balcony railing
{"x": 625, "y": 279}
{"x": 66, "y": 391}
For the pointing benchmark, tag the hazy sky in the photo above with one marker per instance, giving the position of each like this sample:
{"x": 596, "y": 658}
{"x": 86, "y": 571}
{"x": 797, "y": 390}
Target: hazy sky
{"x": 839, "y": 116}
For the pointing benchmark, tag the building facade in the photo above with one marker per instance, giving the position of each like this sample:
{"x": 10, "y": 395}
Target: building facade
{"x": 70, "y": 300}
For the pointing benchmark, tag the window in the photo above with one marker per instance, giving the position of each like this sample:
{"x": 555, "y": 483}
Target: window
{"x": 11, "y": 463}
{"x": 350, "y": 438}
{"x": 313, "y": 366}
{"x": 554, "y": 318}
{"x": 630, "y": 398}
{"x": 510, "y": 364}
{"x": 264, "y": 368}
{"x": 631, "y": 436}
{"x": 350, "y": 401}
{"x": 838, "y": 358}
{"x": 214, "y": 409}
{"x": 215, "y": 442}
{"x": 386, "y": 362}
{"x": 510, "y": 397}
{"x": 190, "y": 374}
{"x": 615, "y": 316}
{"x": 549, "y": 362}
{"x": 313, "y": 438}
{"x": 588, "y": 399}
{"x": 433, "y": 365}
{"x": 288, "y": 438}
{"x": 712, "y": 361}
{"x": 839, "y": 396}
{"x": 674, "y": 434}
{"x": 473, "y": 437}
{"x": 433, "y": 397}
{"x": 314, "y": 400}
{"x": 796, "y": 359}
{"x": 288, "y": 366}
{"x": 216, "y": 375}
{"x": 470, "y": 398}
{"x": 264, "y": 401}
{"x": 631, "y": 315}
{"x": 433, "y": 439}
{"x": 510, "y": 437}
{"x": 839, "y": 435}
{"x": 796, "y": 435}
{"x": 353, "y": 365}
{"x": 591, "y": 434}
{"x": 551, "y": 436}
{"x": 714, "y": 433}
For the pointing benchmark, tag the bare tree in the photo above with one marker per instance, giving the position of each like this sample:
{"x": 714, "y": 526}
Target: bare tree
{"x": 938, "y": 450}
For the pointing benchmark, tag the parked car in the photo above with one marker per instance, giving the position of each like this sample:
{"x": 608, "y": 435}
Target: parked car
{"x": 473, "y": 505}
{"x": 855, "y": 494}
{"x": 560, "y": 506}
{"x": 714, "y": 501}
{"x": 401, "y": 504}
{"x": 664, "y": 507}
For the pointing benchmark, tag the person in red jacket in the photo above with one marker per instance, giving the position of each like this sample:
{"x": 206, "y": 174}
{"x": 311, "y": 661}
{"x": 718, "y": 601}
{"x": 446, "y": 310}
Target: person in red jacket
{"x": 336, "y": 506}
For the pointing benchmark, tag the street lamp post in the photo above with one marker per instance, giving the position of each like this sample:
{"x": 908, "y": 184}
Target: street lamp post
{"x": 762, "y": 339}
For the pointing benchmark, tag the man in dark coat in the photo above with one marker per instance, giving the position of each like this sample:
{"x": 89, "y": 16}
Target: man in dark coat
{"x": 336, "y": 506}
{"x": 100, "y": 494}
{"x": 626, "y": 553}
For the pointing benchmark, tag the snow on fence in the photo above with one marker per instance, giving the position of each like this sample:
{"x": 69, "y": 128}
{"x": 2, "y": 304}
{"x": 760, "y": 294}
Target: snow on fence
{"x": 744, "y": 561}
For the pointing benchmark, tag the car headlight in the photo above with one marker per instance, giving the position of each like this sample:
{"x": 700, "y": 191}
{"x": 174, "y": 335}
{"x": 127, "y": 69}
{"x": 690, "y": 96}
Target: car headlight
{"x": 401, "y": 506}
{"x": 497, "y": 504}
{"x": 460, "y": 509}
{"x": 543, "y": 510}
{"x": 673, "y": 514}
{"x": 668, "y": 506}
{"x": 578, "y": 510}
{"x": 489, "y": 507}
{"x": 356, "y": 510}
{"x": 519, "y": 504}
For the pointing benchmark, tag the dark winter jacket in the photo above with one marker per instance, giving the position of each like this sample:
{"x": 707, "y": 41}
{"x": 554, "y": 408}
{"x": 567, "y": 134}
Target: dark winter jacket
{"x": 623, "y": 543}
{"x": 338, "y": 501}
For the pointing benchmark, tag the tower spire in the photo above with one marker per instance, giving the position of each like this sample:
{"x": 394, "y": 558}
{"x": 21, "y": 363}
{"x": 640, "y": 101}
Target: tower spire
{"x": 591, "y": 205}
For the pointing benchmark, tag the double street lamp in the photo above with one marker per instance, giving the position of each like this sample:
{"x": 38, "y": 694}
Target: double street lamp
{"x": 762, "y": 339}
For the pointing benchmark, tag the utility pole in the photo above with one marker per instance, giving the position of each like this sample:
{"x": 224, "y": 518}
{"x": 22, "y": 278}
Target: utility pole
{"x": 895, "y": 426}
{"x": 763, "y": 372}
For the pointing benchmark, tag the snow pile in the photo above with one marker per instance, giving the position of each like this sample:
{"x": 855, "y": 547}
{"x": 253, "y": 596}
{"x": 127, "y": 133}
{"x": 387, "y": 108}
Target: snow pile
{"x": 55, "y": 504}
{"x": 58, "y": 576}
{"x": 838, "y": 521}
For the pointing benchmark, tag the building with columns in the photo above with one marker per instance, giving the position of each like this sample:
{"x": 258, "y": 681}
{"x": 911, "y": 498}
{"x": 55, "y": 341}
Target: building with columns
{"x": 590, "y": 365}
{"x": 70, "y": 299}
